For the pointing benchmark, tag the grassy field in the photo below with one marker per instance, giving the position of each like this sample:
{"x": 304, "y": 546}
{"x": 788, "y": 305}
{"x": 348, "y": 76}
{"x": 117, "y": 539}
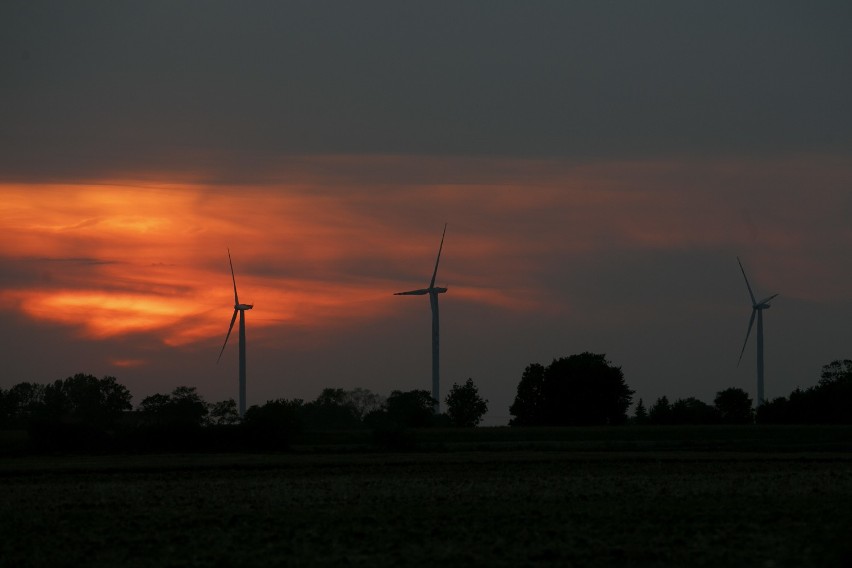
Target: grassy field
{"x": 508, "y": 505}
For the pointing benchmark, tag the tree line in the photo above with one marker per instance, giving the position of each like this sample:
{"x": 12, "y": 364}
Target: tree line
{"x": 827, "y": 402}
{"x": 587, "y": 390}
{"x": 580, "y": 390}
{"x": 83, "y": 411}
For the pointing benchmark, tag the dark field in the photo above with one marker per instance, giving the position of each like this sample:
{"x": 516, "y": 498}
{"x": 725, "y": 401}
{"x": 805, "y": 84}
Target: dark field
{"x": 480, "y": 499}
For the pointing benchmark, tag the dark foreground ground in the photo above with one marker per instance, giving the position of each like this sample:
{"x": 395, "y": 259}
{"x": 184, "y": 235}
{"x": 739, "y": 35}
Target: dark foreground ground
{"x": 494, "y": 506}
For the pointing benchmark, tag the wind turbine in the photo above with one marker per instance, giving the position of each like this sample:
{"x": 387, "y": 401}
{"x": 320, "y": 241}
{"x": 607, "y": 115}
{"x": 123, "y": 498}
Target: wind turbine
{"x": 756, "y": 309}
{"x": 433, "y": 292}
{"x": 241, "y": 308}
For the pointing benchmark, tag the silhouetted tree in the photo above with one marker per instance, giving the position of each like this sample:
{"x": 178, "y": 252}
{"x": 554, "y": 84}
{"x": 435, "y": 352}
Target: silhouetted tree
{"x": 154, "y": 404}
{"x": 827, "y": 402}
{"x": 775, "y": 411}
{"x": 27, "y": 396}
{"x": 393, "y": 424}
{"x": 412, "y": 409}
{"x": 183, "y": 408}
{"x": 189, "y": 404}
{"x": 464, "y": 405}
{"x": 19, "y": 403}
{"x": 363, "y": 401}
{"x": 640, "y": 415}
{"x": 838, "y": 371}
{"x": 579, "y": 390}
{"x": 7, "y": 409}
{"x": 690, "y": 410}
{"x": 802, "y": 407}
{"x": 85, "y": 399}
{"x": 273, "y": 425}
{"x": 661, "y": 412}
{"x": 833, "y": 393}
{"x": 734, "y": 406}
{"x": 332, "y": 410}
{"x": 223, "y": 413}
{"x": 79, "y": 412}
{"x": 528, "y": 407}
{"x": 332, "y": 397}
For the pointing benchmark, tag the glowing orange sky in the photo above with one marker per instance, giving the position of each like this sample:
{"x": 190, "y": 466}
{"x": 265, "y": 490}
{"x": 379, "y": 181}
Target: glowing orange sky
{"x": 117, "y": 258}
{"x": 121, "y": 257}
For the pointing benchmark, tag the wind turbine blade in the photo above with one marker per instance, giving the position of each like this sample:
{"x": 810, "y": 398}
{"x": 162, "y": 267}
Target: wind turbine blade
{"x": 236, "y": 299}
{"x": 435, "y": 273}
{"x": 753, "y": 301}
{"x": 233, "y": 319}
{"x": 750, "y": 323}
{"x": 768, "y": 299}
{"x": 412, "y": 293}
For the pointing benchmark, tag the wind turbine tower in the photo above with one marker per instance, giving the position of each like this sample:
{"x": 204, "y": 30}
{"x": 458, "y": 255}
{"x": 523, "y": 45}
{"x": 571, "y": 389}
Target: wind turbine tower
{"x": 433, "y": 292}
{"x": 241, "y": 308}
{"x": 756, "y": 310}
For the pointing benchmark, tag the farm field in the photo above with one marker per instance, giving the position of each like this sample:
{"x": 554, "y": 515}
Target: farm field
{"x": 509, "y": 507}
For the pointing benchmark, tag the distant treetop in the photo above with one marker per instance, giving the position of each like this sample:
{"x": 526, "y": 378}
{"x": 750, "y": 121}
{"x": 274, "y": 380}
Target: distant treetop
{"x": 579, "y": 390}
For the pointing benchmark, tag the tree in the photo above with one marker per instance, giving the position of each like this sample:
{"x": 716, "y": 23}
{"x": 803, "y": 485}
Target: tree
{"x": 26, "y": 397}
{"x": 332, "y": 397}
{"x": 661, "y": 412}
{"x": 775, "y": 411}
{"x": 189, "y": 405}
{"x": 393, "y": 425}
{"x": 412, "y": 409}
{"x": 579, "y": 390}
{"x": 464, "y": 405}
{"x": 827, "y": 402}
{"x": 833, "y": 394}
{"x": 223, "y": 413}
{"x": 640, "y": 415}
{"x": 363, "y": 401}
{"x": 81, "y": 411}
{"x": 183, "y": 408}
{"x": 85, "y": 399}
{"x": 20, "y": 402}
{"x": 528, "y": 407}
{"x": 7, "y": 408}
{"x": 273, "y": 425}
{"x": 836, "y": 372}
{"x": 802, "y": 407}
{"x": 154, "y": 404}
{"x": 734, "y": 406}
{"x": 332, "y": 410}
{"x": 690, "y": 410}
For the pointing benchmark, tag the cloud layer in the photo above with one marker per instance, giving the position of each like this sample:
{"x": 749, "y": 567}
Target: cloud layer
{"x": 232, "y": 87}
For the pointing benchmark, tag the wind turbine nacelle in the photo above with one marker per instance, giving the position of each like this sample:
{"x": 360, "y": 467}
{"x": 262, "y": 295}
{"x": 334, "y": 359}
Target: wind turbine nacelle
{"x": 243, "y": 306}
{"x": 439, "y": 290}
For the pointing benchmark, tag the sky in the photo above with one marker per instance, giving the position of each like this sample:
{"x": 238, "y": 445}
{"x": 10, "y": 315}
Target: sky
{"x": 600, "y": 166}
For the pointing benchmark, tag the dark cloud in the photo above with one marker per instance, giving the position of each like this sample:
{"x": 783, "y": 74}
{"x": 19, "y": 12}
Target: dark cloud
{"x": 92, "y": 89}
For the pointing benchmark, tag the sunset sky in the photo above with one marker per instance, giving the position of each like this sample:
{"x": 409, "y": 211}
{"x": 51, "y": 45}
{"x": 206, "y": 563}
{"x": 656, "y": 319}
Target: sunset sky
{"x": 600, "y": 166}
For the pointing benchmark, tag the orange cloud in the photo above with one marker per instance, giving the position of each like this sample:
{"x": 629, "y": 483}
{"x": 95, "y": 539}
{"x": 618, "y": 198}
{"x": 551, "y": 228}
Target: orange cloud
{"x": 115, "y": 259}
